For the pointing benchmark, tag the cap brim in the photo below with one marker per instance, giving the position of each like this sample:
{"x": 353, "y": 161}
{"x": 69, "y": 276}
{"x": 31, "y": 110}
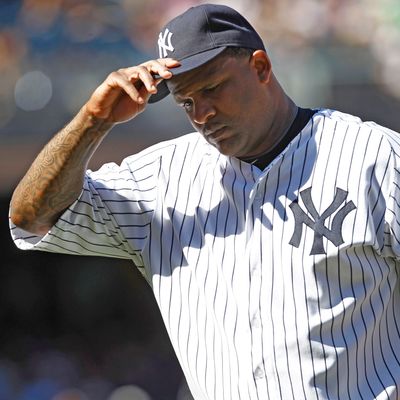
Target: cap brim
{"x": 186, "y": 65}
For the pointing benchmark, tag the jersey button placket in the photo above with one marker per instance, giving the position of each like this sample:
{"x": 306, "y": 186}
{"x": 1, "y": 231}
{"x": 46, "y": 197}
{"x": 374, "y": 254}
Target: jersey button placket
{"x": 259, "y": 373}
{"x": 255, "y": 318}
{"x": 256, "y": 322}
{"x": 259, "y": 186}
{"x": 258, "y": 197}
{"x": 254, "y": 304}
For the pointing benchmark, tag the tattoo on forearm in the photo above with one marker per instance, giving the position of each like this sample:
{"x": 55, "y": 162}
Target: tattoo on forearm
{"x": 55, "y": 178}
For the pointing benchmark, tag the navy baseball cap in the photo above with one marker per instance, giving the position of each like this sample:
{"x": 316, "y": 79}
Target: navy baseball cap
{"x": 199, "y": 35}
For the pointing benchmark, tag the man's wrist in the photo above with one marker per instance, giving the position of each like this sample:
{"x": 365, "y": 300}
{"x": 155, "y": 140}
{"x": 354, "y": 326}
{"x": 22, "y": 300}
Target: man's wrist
{"x": 92, "y": 123}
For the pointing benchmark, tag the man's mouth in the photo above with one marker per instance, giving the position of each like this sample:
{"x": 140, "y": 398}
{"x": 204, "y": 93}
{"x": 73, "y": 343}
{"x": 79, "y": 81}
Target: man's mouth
{"x": 215, "y": 135}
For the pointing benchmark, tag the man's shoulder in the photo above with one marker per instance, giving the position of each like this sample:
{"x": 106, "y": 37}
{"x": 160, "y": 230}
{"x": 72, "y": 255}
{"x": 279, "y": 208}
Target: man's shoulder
{"x": 336, "y": 115}
{"x": 351, "y": 123}
{"x": 189, "y": 145}
{"x": 188, "y": 139}
{"x": 350, "y": 119}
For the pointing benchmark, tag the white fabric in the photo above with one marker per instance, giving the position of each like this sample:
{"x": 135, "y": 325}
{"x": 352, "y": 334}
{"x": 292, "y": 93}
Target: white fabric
{"x": 250, "y": 312}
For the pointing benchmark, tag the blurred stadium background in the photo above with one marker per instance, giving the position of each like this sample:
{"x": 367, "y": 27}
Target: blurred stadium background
{"x": 87, "y": 329}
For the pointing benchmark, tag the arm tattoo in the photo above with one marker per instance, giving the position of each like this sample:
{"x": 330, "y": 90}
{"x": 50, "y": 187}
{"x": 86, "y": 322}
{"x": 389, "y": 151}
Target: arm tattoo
{"x": 55, "y": 179}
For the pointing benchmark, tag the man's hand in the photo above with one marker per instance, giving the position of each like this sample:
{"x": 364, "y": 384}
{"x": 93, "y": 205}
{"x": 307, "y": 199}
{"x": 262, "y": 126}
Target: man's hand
{"x": 125, "y": 92}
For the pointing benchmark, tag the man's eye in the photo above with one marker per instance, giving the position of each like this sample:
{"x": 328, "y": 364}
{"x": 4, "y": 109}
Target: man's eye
{"x": 187, "y": 105}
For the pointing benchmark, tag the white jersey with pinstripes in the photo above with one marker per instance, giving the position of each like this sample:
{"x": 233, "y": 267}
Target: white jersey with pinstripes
{"x": 274, "y": 284}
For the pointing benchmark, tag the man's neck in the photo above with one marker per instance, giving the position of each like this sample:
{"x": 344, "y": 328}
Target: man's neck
{"x": 279, "y": 125}
{"x": 283, "y": 122}
{"x": 303, "y": 115}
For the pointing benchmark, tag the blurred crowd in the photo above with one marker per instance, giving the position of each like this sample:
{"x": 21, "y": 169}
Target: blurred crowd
{"x": 55, "y": 375}
{"x": 70, "y": 331}
{"x": 54, "y": 52}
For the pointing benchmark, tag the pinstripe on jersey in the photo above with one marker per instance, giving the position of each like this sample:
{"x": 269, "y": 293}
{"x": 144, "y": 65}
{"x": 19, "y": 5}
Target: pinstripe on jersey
{"x": 252, "y": 312}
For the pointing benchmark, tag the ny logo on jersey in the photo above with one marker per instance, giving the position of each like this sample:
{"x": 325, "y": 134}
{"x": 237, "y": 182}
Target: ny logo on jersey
{"x": 317, "y": 222}
{"x": 163, "y": 46}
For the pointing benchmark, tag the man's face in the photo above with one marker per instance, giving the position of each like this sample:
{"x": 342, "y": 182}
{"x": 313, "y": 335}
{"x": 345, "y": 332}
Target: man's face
{"x": 224, "y": 100}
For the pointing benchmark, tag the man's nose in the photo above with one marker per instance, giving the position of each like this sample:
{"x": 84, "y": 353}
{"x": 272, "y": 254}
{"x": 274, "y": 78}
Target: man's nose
{"x": 203, "y": 111}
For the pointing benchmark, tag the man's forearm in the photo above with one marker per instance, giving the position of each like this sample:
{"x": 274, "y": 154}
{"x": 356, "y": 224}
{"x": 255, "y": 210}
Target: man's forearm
{"x": 55, "y": 178}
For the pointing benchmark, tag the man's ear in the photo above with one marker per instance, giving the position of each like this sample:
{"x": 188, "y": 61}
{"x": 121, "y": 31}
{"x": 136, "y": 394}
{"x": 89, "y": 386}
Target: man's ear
{"x": 261, "y": 62}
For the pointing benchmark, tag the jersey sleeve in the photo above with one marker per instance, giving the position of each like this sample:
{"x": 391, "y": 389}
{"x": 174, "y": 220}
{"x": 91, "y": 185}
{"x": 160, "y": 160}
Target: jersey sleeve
{"x": 111, "y": 217}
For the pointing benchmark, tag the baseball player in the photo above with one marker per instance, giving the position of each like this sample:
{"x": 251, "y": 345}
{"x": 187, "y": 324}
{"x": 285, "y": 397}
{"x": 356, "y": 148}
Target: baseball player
{"x": 270, "y": 236}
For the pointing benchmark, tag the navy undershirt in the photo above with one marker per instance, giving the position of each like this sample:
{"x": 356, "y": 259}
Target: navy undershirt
{"x": 301, "y": 120}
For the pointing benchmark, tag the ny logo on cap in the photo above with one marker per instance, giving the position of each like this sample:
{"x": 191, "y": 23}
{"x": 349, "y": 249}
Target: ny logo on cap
{"x": 163, "y": 46}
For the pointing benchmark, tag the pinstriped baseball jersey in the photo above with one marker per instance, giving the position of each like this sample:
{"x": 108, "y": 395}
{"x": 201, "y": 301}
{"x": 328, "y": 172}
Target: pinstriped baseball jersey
{"x": 273, "y": 284}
